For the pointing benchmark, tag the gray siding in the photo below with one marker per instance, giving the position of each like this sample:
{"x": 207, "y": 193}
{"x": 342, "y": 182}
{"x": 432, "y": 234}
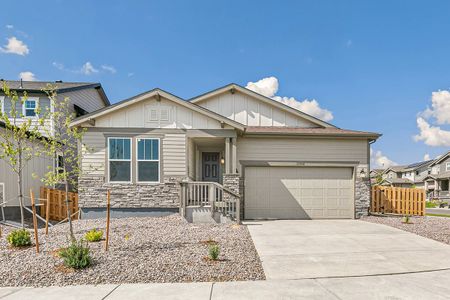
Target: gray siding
{"x": 302, "y": 149}
{"x": 88, "y": 99}
{"x": 443, "y": 165}
{"x": 173, "y": 157}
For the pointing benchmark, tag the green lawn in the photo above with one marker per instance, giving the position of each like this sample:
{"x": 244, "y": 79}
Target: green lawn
{"x": 437, "y": 215}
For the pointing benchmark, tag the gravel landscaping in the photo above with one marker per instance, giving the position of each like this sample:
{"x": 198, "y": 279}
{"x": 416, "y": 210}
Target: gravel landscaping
{"x": 141, "y": 250}
{"x": 436, "y": 228}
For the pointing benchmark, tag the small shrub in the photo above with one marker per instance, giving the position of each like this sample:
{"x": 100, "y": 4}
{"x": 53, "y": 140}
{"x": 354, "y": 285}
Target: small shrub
{"x": 430, "y": 204}
{"x": 19, "y": 238}
{"x": 213, "y": 251}
{"x": 76, "y": 256}
{"x": 406, "y": 219}
{"x": 94, "y": 235}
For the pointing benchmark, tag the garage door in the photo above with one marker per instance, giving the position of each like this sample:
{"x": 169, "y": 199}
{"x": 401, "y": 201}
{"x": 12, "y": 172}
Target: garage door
{"x": 298, "y": 193}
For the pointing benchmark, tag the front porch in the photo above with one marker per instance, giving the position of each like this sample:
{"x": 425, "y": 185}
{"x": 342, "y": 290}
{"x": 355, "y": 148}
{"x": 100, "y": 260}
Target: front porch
{"x": 438, "y": 189}
{"x": 211, "y": 192}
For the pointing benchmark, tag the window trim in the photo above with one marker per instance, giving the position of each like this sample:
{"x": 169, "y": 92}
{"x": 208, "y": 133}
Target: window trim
{"x": 138, "y": 160}
{"x": 36, "y": 100}
{"x": 129, "y": 160}
{"x": 447, "y": 166}
{"x": 2, "y": 104}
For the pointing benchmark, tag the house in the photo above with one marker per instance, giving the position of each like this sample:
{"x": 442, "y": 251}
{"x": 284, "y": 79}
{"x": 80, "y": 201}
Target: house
{"x": 436, "y": 183}
{"x": 84, "y": 97}
{"x": 406, "y": 176}
{"x": 156, "y": 152}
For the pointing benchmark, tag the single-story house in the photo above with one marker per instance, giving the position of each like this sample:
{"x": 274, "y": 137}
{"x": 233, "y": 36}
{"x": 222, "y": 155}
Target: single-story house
{"x": 279, "y": 162}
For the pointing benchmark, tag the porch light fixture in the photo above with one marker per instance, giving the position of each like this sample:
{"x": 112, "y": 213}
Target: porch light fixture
{"x": 362, "y": 173}
{"x": 222, "y": 160}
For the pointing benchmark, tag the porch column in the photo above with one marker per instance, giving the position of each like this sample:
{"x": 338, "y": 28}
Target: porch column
{"x": 227, "y": 156}
{"x": 233, "y": 156}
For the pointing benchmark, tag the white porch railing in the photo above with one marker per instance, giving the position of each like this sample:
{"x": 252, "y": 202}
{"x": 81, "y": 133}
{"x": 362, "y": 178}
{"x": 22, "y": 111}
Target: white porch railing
{"x": 212, "y": 194}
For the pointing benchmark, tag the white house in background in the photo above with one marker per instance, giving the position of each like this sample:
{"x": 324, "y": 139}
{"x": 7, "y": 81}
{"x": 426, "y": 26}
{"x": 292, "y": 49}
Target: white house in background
{"x": 231, "y": 150}
{"x": 84, "y": 98}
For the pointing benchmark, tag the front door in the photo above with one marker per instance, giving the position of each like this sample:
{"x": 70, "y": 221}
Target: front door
{"x": 210, "y": 166}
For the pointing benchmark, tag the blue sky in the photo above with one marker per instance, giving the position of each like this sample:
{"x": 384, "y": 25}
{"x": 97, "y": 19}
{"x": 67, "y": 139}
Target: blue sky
{"x": 374, "y": 65}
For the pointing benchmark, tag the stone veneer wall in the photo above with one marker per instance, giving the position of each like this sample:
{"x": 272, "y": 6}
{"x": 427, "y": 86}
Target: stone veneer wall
{"x": 233, "y": 183}
{"x": 362, "y": 197}
{"x": 92, "y": 193}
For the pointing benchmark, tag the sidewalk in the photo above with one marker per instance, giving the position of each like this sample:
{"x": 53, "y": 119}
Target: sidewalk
{"x": 427, "y": 285}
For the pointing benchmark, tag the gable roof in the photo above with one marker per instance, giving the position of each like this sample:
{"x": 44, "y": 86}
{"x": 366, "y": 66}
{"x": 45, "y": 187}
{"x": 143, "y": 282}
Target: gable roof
{"x": 237, "y": 87}
{"x": 440, "y": 159}
{"x": 156, "y": 93}
{"x": 60, "y": 86}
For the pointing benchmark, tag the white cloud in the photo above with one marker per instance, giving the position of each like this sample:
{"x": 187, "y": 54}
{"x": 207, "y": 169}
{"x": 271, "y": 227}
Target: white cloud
{"x": 9, "y": 26}
{"x": 432, "y": 135}
{"x": 440, "y": 107}
{"x": 426, "y": 157}
{"x": 58, "y": 65}
{"x": 439, "y": 112}
{"x": 378, "y": 160}
{"x": 109, "y": 69}
{"x": 27, "y": 76}
{"x": 269, "y": 87}
{"x": 88, "y": 69}
{"x": 15, "y": 46}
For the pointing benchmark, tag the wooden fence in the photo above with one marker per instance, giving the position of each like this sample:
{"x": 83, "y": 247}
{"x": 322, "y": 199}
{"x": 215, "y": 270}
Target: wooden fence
{"x": 395, "y": 200}
{"x": 58, "y": 207}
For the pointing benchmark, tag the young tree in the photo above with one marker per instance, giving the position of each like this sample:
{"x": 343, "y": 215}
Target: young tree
{"x": 17, "y": 138}
{"x": 63, "y": 145}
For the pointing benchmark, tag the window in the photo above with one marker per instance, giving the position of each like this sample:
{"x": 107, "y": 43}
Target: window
{"x": 119, "y": 154}
{"x": 147, "y": 160}
{"x": 59, "y": 164}
{"x": 417, "y": 172}
{"x": 29, "y": 108}
{"x": 447, "y": 166}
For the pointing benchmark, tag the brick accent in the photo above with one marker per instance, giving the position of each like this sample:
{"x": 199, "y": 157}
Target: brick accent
{"x": 92, "y": 193}
{"x": 362, "y": 197}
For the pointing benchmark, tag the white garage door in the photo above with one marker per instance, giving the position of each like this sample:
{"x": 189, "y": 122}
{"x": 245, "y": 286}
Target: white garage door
{"x": 298, "y": 193}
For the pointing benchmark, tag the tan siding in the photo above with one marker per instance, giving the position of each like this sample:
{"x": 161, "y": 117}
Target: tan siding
{"x": 94, "y": 153}
{"x": 251, "y": 111}
{"x": 174, "y": 154}
{"x": 299, "y": 149}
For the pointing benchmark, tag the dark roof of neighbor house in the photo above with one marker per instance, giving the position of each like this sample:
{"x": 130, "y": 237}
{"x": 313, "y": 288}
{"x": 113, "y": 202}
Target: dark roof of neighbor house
{"x": 417, "y": 165}
{"x": 327, "y": 131}
{"x": 60, "y": 86}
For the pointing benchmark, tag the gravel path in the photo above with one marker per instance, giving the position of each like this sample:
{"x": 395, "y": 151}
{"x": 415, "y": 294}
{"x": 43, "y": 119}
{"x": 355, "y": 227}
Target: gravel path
{"x": 436, "y": 228}
{"x": 142, "y": 250}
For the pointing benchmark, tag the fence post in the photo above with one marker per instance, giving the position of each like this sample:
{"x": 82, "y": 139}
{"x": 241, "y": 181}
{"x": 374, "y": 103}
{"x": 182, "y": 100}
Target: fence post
{"x": 33, "y": 207}
{"x": 47, "y": 212}
{"x": 183, "y": 184}
{"x": 108, "y": 200}
{"x": 238, "y": 210}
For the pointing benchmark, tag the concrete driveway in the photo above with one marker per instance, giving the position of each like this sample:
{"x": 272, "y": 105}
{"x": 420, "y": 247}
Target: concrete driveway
{"x": 299, "y": 249}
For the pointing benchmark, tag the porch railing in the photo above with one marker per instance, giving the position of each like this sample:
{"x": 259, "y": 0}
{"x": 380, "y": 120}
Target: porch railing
{"x": 439, "y": 195}
{"x": 213, "y": 195}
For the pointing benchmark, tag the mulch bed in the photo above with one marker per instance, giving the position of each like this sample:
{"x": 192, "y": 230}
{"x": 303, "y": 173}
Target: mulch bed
{"x": 436, "y": 228}
{"x": 141, "y": 250}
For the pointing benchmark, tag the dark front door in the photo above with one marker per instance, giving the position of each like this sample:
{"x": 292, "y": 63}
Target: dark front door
{"x": 210, "y": 166}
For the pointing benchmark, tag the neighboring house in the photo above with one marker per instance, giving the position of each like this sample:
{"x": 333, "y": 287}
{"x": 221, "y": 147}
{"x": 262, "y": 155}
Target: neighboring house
{"x": 407, "y": 176}
{"x": 283, "y": 163}
{"x": 84, "y": 97}
{"x": 437, "y": 182}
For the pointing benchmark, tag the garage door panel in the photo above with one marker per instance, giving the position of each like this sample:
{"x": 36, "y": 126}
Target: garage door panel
{"x": 298, "y": 192}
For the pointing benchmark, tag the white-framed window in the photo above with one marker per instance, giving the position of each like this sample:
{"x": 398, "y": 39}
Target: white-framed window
{"x": 447, "y": 166}
{"x": 148, "y": 160}
{"x": 29, "y": 107}
{"x": 119, "y": 159}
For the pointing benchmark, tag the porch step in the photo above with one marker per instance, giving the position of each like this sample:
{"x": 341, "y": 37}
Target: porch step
{"x": 202, "y": 214}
